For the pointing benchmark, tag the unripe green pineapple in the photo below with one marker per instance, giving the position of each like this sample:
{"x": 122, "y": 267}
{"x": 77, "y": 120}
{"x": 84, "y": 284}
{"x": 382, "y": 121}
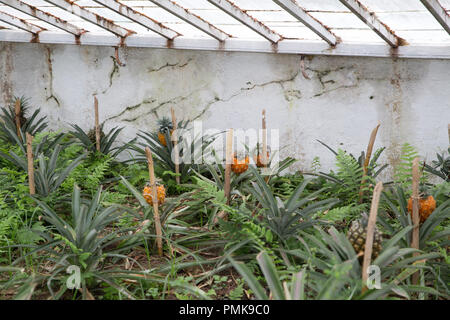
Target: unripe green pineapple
{"x": 357, "y": 235}
{"x": 91, "y": 135}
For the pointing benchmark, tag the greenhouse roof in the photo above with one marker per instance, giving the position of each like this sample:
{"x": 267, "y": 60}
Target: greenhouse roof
{"x": 400, "y": 28}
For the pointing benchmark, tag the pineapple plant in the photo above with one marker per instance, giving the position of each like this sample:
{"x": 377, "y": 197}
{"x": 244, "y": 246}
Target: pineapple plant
{"x": 240, "y": 163}
{"x": 165, "y": 126}
{"x": 357, "y": 234}
{"x": 160, "y": 191}
{"x": 427, "y": 204}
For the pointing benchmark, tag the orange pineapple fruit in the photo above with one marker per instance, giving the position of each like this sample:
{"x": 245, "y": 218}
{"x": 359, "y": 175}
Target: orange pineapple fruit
{"x": 427, "y": 205}
{"x": 259, "y": 160}
{"x": 165, "y": 125}
{"x": 239, "y": 165}
{"x": 160, "y": 194}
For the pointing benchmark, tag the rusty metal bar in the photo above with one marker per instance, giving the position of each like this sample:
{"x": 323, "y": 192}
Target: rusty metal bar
{"x": 94, "y": 18}
{"x": 139, "y": 18}
{"x": 20, "y": 23}
{"x": 304, "y": 17}
{"x": 192, "y": 19}
{"x": 44, "y": 16}
{"x": 373, "y": 22}
{"x": 234, "y": 11}
{"x": 438, "y": 12}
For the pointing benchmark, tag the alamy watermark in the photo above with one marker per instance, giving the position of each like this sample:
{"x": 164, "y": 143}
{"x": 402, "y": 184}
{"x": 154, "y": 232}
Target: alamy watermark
{"x": 74, "y": 280}
{"x": 374, "y": 277}
{"x": 208, "y": 146}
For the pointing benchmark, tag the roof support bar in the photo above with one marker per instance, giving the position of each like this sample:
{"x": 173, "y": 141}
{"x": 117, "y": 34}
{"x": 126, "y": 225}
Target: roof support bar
{"x": 192, "y": 19}
{"x": 139, "y": 18}
{"x": 373, "y": 22}
{"x": 87, "y": 15}
{"x": 304, "y": 17}
{"x": 44, "y": 16}
{"x": 19, "y": 23}
{"x": 438, "y": 12}
{"x": 246, "y": 19}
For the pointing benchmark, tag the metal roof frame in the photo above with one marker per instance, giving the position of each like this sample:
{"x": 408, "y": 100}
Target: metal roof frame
{"x": 240, "y": 15}
{"x": 192, "y": 19}
{"x": 438, "y": 12}
{"x": 72, "y": 7}
{"x": 44, "y": 16}
{"x": 20, "y": 23}
{"x": 292, "y": 7}
{"x": 373, "y": 22}
{"x": 139, "y": 18}
{"x": 170, "y": 33}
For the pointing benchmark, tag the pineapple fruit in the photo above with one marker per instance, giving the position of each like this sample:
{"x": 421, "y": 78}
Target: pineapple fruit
{"x": 259, "y": 160}
{"x": 160, "y": 191}
{"x": 427, "y": 205}
{"x": 357, "y": 236}
{"x": 239, "y": 164}
{"x": 91, "y": 135}
{"x": 165, "y": 125}
{"x": 258, "y": 157}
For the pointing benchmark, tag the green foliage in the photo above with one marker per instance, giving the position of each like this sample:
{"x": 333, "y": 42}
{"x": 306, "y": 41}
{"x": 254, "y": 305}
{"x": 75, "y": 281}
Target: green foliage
{"x": 32, "y": 125}
{"x": 403, "y": 169}
{"x": 280, "y": 290}
{"x": 344, "y": 213}
{"x": 283, "y": 218}
{"x": 78, "y": 242}
{"x": 346, "y": 182}
{"x": 441, "y": 166}
{"x": 89, "y": 174}
{"x": 107, "y": 141}
{"x": 336, "y": 270}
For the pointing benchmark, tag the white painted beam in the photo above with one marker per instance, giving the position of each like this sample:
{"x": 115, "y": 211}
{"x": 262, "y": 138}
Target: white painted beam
{"x": 292, "y": 7}
{"x": 139, "y": 18}
{"x": 192, "y": 19}
{"x": 94, "y": 18}
{"x": 287, "y": 46}
{"x": 373, "y": 22}
{"x": 19, "y": 23}
{"x": 234, "y": 11}
{"x": 438, "y": 12}
{"x": 44, "y": 16}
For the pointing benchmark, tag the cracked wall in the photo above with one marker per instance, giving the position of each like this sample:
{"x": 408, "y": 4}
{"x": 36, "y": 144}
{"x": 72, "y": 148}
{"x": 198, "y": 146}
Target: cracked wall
{"x": 342, "y": 101}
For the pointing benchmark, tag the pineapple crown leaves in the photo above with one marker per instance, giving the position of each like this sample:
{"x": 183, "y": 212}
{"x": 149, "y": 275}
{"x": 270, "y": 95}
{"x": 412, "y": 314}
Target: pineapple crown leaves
{"x": 164, "y": 124}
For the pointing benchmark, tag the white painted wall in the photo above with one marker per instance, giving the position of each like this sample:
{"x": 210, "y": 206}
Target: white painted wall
{"x": 340, "y": 105}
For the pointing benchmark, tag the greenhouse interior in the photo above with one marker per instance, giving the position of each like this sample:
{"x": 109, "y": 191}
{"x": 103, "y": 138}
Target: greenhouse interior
{"x": 224, "y": 150}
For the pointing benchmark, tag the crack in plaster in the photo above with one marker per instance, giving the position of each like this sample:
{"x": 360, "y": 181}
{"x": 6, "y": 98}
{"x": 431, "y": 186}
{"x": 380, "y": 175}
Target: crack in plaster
{"x": 153, "y": 110}
{"x": 289, "y": 94}
{"x": 114, "y": 71}
{"x": 243, "y": 89}
{"x": 170, "y": 65}
{"x": 50, "y": 73}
